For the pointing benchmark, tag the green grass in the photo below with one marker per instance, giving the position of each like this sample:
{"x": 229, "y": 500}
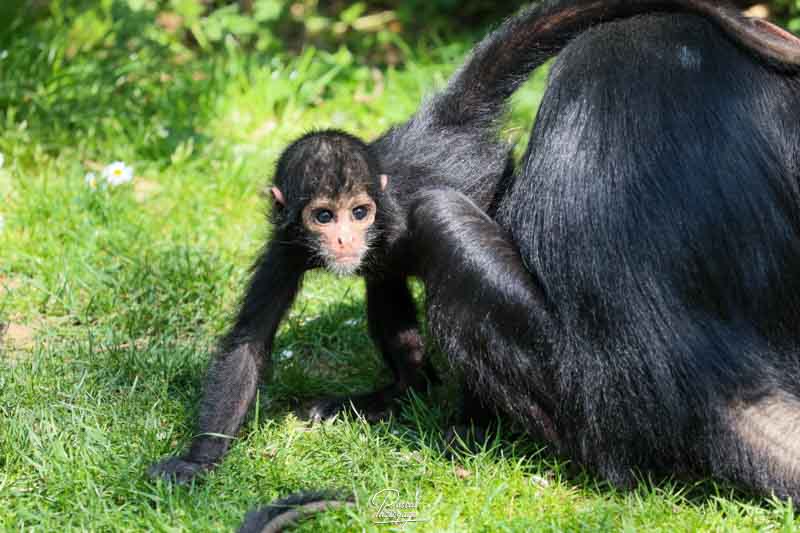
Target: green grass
{"x": 114, "y": 299}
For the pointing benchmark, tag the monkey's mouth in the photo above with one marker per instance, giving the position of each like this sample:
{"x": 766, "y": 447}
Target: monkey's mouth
{"x": 348, "y": 258}
{"x": 344, "y": 264}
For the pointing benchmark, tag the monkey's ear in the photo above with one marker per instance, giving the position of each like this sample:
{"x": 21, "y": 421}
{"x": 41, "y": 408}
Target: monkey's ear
{"x": 384, "y": 181}
{"x": 278, "y": 196}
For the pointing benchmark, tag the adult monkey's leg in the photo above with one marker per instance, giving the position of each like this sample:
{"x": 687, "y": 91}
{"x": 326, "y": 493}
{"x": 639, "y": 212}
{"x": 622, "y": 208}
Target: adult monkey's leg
{"x": 485, "y": 308}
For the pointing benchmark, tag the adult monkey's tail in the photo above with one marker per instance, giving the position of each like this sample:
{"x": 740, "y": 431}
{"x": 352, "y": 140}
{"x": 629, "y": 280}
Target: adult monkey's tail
{"x": 505, "y": 58}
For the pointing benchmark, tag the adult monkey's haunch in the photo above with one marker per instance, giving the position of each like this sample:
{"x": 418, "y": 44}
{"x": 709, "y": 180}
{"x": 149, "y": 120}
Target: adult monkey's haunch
{"x": 343, "y": 204}
{"x": 637, "y": 301}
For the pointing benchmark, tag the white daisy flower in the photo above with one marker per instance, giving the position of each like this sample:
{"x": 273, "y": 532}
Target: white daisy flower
{"x": 91, "y": 180}
{"x": 118, "y": 173}
{"x": 2, "y": 223}
{"x": 2, "y": 159}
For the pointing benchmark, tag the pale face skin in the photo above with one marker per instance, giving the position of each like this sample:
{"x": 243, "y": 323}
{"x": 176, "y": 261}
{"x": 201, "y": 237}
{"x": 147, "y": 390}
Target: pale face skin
{"x": 341, "y": 225}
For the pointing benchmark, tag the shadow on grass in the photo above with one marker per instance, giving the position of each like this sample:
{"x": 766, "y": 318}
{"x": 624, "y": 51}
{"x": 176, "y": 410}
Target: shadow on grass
{"x": 330, "y": 354}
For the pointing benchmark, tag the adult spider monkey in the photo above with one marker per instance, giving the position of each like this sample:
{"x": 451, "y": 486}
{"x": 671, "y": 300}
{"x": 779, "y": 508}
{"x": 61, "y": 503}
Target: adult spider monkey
{"x": 343, "y": 204}
{"x": 634, "y": 302}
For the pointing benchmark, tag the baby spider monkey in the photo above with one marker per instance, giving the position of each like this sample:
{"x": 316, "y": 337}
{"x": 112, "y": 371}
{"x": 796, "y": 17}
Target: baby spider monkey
{"x": 336, "y": 207}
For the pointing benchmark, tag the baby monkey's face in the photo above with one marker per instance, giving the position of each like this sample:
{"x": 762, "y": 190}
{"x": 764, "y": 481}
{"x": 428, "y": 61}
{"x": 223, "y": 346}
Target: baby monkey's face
{"x": 341, "y": 228}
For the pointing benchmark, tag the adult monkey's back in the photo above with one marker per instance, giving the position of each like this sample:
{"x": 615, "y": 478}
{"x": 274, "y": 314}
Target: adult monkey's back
{"x": 641, "y": 291}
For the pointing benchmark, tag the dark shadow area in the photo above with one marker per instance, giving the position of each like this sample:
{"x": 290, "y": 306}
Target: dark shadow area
{"x": 324, "y": 355}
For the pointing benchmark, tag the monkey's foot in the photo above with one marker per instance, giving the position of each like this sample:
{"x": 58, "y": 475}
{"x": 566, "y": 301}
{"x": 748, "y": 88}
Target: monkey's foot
{"x": 178, "y": 470}
{"x": 374, "y": 407}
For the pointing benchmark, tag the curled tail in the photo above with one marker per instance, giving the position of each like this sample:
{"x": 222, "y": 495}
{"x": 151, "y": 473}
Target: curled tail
{"x": 289, "y": 511}
{"x": 505, "y": 58}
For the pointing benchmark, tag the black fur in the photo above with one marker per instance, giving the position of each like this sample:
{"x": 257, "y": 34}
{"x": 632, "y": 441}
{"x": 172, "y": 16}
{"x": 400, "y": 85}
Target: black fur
{"x": 451, "y": 144}
{"x": 636, "y": 303}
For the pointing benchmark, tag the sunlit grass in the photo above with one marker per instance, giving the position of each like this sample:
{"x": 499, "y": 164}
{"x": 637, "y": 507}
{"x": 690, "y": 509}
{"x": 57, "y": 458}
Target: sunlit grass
{"x": 114, "y": 296}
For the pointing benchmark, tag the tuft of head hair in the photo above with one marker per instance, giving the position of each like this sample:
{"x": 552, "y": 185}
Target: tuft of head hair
{"x": 326, "y": 163}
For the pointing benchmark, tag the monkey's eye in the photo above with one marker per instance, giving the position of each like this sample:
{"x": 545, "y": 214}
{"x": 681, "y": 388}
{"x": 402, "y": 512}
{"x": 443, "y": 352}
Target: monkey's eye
{"x": 323, "y": 216}
{"x": 360, "y": 212}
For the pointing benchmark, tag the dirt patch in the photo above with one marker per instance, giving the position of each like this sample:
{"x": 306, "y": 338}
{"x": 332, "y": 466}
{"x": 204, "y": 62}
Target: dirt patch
{"x": 144, "y": 189}
{"x": 8, "y": 284}
{"x": 17, "y": 335}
